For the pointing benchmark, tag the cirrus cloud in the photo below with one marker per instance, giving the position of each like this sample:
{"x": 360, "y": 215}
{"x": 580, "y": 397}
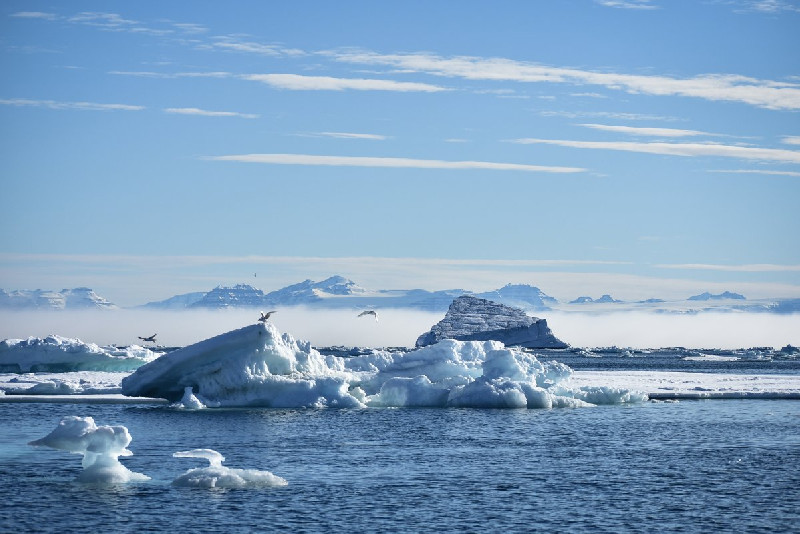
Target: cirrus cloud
{"x": 206, "y": 113}
{"x": 297, "y": 82}
{"x": 676, "y": 149}
{"x": 767, "y": 94}
{"x": 404, "y": 163}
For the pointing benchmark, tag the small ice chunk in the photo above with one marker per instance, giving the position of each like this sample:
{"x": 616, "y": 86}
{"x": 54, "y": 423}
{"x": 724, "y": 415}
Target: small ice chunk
{"x": 189, "y": 401}
{"x": 217, "y": 475}
{"x": 101, "y": 447}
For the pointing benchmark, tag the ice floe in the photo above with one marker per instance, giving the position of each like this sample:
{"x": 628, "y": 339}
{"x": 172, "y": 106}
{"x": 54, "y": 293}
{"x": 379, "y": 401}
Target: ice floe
{"x": 101, "y": 447}
{"x": 56, "y": 353}
{"x": 216, "y": 475}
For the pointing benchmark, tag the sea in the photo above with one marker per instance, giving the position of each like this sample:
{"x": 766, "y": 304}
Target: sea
{"x": 688, "y": 466}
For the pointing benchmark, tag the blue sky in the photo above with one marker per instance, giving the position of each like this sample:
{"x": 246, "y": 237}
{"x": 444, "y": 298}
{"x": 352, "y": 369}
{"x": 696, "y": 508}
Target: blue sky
{"x": 639, "y": 148}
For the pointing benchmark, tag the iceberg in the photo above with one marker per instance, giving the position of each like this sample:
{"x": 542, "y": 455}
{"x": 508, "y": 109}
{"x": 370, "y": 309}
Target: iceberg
{"x": 472, "y": 318}
{"x": 101, "y": 447}
{"x": 258, "y": 366}
{"x": 252, "y": 366}
{"x": 216, "y": 475}
{"x": 55, "y": 353}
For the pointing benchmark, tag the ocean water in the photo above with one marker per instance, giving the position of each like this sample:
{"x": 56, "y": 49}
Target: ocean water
{"x": 692, "y": 466}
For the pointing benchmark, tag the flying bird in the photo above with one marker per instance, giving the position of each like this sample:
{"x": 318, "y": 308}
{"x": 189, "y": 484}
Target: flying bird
{"x": 265, "y": 316}
{"x": 369, "y": 312}
{"x": 151, "y": 339}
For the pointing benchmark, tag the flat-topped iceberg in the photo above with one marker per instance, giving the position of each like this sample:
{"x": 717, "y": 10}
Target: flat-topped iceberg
{"x": 56, "y": 353}
{"x": 258, "y": 366}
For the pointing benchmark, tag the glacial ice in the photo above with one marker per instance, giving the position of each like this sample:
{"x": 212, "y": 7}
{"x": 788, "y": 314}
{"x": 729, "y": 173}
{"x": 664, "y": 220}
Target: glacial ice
{"x": 101, "y": 447}
{"x": 56, "y": 353}
{"x": 258, "y": 366}
{"x": 216, "y": 475}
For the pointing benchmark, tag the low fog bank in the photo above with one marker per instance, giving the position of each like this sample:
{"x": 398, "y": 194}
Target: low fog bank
{"x": 322, "y": 328}
{"x": 654, "y": 330}
{"x": 402, "y": 327}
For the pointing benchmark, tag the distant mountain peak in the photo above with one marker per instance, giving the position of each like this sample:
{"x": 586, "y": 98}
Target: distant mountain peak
{"x": 727, "y": 295}
{"x": 79, "y": 298}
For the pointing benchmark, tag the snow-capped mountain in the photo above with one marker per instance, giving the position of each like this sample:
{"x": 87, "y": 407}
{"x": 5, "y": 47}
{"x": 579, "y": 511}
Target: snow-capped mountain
{"x": 178, "y": 302}
{"x": 338, "y": 292}
{"x": 66, "y": 299}
{"x": 310, "y": 292}
{"x": 238, "y": 296}
{"x": 727, "y": 295}
{"x": 605, "y": 299}
{"x": 520, "y": 295}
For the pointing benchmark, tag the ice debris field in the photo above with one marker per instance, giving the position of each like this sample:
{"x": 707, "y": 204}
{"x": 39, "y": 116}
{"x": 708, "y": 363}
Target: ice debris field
{"x": 101, "y": 447}
{"x": 259, "y": 366}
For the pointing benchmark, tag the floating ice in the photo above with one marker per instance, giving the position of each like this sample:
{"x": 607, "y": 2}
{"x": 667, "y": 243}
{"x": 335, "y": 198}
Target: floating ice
{"x": 56, "y": 353}
{"x": 218, "y": 476}
{"x": 258, "y": 366}
{"x": 189, "y": 401}
{"x": 251, "y": 366}
{"x": 101, "y": 447}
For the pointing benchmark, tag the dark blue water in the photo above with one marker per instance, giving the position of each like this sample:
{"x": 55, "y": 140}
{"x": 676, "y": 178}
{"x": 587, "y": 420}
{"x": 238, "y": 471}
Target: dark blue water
{"x": 700, "y": 466}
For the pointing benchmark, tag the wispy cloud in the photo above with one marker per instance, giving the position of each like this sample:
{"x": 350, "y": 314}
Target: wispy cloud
{"x": 791, "y": 140}
{"x": 756, "y": 171}
{"x": 648, "y": 132}
{"x": 605, "y": 115}
{"x": 297, "y": 82}
{"x": 171, "y": 75}
{"x": 235, "y": 44}
{"x": 35, "y": 15}
{"x": 403, "y": 163}
{"x": 768, "y": 6}
{"x": 206, "y": 113}
{"x": 345, "y": 135}
{"x": 627, "y": 4}
{"x": 748, "y": 268}
{"x": 677, "y": 149}
{"x": 82, "y": 106}
{"x": 718, "y": 87}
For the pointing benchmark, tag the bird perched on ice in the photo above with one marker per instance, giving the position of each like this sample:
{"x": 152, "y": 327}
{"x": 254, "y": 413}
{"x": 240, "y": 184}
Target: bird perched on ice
{"x": 265, "y": 316}
{"x": 369, "y": 312}
{"x": 151, "y": 339}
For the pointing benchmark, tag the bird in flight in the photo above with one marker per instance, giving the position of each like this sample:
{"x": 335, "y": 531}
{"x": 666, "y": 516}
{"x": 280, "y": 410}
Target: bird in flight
{"x": 369, "y": 312}
{"x": 265, "y": 316}
{"x": 151, "y": 339}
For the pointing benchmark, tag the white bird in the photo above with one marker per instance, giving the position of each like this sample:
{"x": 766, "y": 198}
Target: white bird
{"x": 265, "y": 316}
{"x": 369, "y": 312}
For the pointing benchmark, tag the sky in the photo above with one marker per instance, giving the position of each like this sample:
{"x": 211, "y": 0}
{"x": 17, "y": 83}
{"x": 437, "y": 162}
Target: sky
{"x": 642, "y": 148}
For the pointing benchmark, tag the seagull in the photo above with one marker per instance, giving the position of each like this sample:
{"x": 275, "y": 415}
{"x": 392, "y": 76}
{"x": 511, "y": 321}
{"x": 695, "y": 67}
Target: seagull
{"x": 151, "y": 339}
{"x": 265, "y": 317}
{"x": 369, "y": 312}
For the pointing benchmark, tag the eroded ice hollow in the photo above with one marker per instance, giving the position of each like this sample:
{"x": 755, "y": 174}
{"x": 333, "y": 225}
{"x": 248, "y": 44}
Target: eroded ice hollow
{"x": 259, "y": 366}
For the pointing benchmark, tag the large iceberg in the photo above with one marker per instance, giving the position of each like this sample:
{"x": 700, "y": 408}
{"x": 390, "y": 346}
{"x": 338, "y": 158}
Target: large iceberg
{"x": 471, "y": 318}
{"x": 258, "y": 366}
{"x": 56, "y": 353}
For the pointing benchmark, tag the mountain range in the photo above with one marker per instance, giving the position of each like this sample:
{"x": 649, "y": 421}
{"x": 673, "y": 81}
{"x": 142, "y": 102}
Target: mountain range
{"x": 338, "y": 292}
